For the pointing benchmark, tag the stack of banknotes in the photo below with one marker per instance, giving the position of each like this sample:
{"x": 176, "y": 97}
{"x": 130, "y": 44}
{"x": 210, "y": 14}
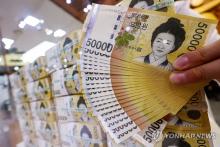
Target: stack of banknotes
{"x": 126, "y": 58}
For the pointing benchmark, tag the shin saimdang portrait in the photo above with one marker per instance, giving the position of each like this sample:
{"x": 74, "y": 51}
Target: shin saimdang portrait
{"x": 141, "y": 4}
{"x": 166, "y": 39}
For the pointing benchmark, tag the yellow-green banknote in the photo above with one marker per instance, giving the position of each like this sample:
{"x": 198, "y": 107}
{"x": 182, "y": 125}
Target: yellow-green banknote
{"x": 73, "y": 133}
{"x": 185, "y": 139}
{"x": 128, "y": 93}
{"x": 73, "y": 108}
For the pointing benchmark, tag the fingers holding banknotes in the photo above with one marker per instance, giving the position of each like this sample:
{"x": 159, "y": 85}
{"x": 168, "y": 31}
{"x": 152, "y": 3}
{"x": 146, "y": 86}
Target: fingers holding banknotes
{"x": 202, "y": 64}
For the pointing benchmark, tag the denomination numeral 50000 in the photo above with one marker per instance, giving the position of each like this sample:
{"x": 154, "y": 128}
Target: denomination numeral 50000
{"x": 99, "y": 45}
{"x": 197, "y": 36}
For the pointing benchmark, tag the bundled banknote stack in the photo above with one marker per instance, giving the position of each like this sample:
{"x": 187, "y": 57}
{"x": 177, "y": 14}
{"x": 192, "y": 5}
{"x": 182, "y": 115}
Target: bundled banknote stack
{"x": 126, "y": 58}
{"x": 77, "y": 125}
{"x": 23, "y": 110}
{"x": 51, "y": 108}
{"x": 34, "y": 104}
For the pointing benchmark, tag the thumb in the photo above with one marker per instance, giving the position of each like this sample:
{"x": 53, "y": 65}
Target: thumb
{"x": 198, "y": 57}
{"x": 206, "y": 71}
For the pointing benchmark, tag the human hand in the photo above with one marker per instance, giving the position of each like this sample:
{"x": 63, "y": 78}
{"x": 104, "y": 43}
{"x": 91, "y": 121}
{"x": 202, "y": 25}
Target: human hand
{"x": 202, "y": 64}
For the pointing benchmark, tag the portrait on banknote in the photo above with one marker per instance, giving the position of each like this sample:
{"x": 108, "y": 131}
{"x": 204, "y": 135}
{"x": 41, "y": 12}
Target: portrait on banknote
{"x": 85, "y": 134}
{"x": 37, "y": 69}
{"x": 30, "y": 142}
{"x": 81, "y": 105}
{"x": 40, "y": 87}
{"x": 34, "y": 70}
{"x": 48, "y": 131}
{"x": 143, "y": 4}
{"x": 166, "y": 39}
{"x": 193, "y": 114}
{"x": 26, "y": 126}
{"x": 67, "y": 48}
{"x": 73, "y": 108}
{"x": 82, "y": 134}
{"x": 72, "y": 81}
{"x": 76, "y": 79}
{"x": 40, "y": 90}
{"x": 169, "y": 141}
{"x": 42, "y": 110}
{"x": 43, "y": 89}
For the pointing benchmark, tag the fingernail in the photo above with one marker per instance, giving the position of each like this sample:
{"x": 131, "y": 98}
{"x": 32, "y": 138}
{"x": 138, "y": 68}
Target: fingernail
{"x": 181, "y": 62}
{"x": 177, "y": 78}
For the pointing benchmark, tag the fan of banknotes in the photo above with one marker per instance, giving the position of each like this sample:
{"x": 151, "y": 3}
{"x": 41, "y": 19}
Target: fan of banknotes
{"x": 126, "y": 59}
